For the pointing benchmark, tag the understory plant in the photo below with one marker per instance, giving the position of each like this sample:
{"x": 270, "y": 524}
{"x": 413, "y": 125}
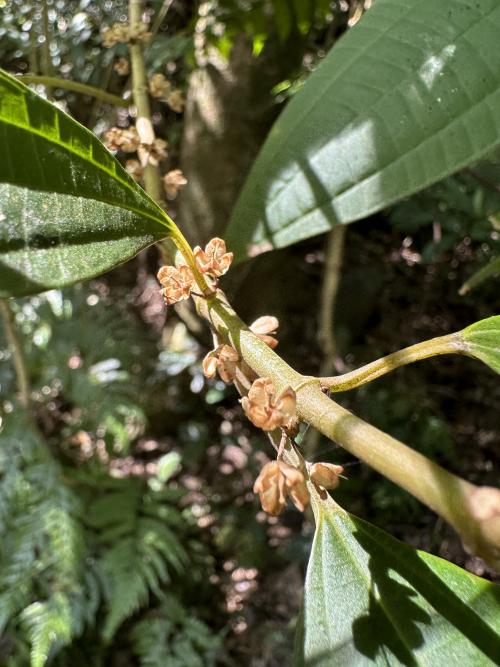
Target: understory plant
{"x": 404, "y": 100}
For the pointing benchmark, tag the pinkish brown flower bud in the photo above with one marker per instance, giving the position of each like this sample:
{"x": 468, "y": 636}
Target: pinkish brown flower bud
{"x": 159, "y": 87}
{"x": 152, "y": 153}
{"x": 126, "y": 140}
{"x": 175, "y": 101}
{"x": 264, "y": 327}
{"x": 214, "y": 260}
{"x": 276, "y": 481}
{"x": 173, "y": 181}
{"x": 177, "y": 283}
{"x": 134, "y": 168}
{"x": 266, "y": 410}
{"x": 122, "y": 67}
{"x": 223, "y": 359}
{"x": 326, "y": 474}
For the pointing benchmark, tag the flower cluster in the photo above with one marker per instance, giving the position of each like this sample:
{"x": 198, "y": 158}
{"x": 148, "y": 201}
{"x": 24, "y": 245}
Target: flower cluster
{"x": 176, "y": 101}
{"x": 122, "y": 139}
{"x": 152, "y": 153}
{"x": 268, "y": 410}
{"x": 222, "y": 360}
{"x": 124, "y": 33}
{"x": 173, "y": 181}
{"x": 176, "y": 282}
{"x": 277, "y": 481}
{"x": 214, "y": 261}
{"x": 159, "y": 86}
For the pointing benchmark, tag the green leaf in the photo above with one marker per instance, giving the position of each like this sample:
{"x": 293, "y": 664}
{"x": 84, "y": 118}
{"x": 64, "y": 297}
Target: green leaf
{"x": 370, "y": 599}
{"x": 491, "y": 269}
{"x": 482, "y": 341}
{"x": 409, "y": 95}
{"x": 68, "y": 210}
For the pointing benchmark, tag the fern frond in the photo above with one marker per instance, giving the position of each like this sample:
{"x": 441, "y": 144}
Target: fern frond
{"x": 49, "y": 627}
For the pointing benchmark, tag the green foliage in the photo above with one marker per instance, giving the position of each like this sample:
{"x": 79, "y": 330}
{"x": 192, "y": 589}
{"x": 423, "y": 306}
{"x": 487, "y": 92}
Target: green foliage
{"x": 170, "y": 637}
{"x": 379, "y": 119}
{"x": 483, "y": 341}
{"x": 370, "y": 599}
{"x": 80, "y": 551}
{"x": 69, "y": 210}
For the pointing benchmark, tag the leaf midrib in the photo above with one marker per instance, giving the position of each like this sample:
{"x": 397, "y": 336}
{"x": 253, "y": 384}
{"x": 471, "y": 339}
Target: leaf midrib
{"x": 383, "y": 94}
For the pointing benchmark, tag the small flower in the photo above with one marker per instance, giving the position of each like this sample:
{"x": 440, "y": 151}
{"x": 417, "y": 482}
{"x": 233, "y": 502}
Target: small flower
{"x": 175, "y": 101}
{"x": 159, "y": 87}
{"x": 214, "y": 260}
{"x": 126, "y": 140}
{"x": 152, "y": 153}
{"x": 177, "y": 283}
{"x": 276, "y": 481}
{"x": 122, "y": 67}
{"x": 266, "y": 410}
{"x": 133, "y": 167}
{"x": 223, "y": 359}
{"x": 263, "y": 327}
{"x": 326, "y": 475}
{"x": 118, "y": 32}
{"x": 173, "y": 181}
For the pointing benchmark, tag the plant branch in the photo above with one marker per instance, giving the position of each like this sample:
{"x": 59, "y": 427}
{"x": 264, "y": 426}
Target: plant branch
{"x": 326, "y": 330}
{"x": 77, "y": 87}
{"x": 16, "y": 348}
{"x": 331, "y": 280}
{"x": 152, "y": 180}
{"x": 449, "y": 496}
{"x": 160, "y": 17}
{"x": 47, "y": 68}
{"x": 450, "y": 344}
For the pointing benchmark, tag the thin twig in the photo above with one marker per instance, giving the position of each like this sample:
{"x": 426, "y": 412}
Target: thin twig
{"x": 51, "y": 82}
{"x": 326, "y": 333}
{"x": 47, "y": 68}
{"x": 16, "y": 348}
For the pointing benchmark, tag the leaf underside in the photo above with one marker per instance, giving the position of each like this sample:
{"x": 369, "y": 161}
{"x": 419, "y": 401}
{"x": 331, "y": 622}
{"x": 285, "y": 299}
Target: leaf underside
{"x": 370, "y": 599}
{"x": 68, "y": 210}
{"x": 408, "y": 96}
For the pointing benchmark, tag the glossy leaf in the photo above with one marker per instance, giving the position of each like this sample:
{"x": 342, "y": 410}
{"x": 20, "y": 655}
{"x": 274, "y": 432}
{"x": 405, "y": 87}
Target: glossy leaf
{"x": 408, "y": 95}
{"x": 370, "y": 599}
{"x": 68, "y": 210}
{"x": 483, "y": 341}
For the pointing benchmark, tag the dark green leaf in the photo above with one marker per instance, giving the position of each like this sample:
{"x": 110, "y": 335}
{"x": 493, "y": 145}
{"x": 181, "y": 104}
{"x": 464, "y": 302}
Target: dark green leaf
{"x": 370, "y": 599}
{"x": 483, "y": 341}
{"x": 409, "y": 95}
{"x": 68, "y": 210}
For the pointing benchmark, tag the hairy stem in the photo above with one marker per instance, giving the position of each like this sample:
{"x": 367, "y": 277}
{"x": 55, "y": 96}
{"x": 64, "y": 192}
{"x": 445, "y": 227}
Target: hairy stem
{"x": 16, "y": 348}
{"x": 446, "y": 494}
{"x": 77, "y": 87}
{"x": 450, "y": 344}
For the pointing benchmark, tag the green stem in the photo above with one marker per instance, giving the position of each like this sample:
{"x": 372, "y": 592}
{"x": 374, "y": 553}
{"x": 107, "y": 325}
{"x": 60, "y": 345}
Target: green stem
{"x": 77, "y": 87}
{"x": 446, "y": 494}
{"x": 16, "y": 348}
{"x": 152, "y": 179}
{"x": 47, "y": 68}
{"x": 451, "y": 344}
